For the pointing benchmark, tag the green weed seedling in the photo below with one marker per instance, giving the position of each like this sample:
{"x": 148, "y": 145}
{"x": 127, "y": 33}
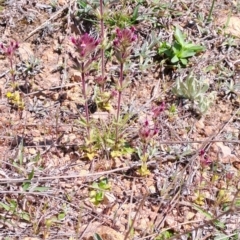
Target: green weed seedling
{"x": 12, "y": 207}
{"x": 98, "y": 191}
{"x": 96, "y": 236}
{"x": 196, "y": 91}
{"x": 165, "y": 235}
{"x": 180, "y": 50}
{"x": 122, "y": 20}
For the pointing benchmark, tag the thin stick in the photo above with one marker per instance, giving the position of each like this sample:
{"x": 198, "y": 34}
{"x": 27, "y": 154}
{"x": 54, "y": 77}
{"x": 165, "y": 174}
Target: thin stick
{"x": 21, "y": 180}
{"x": 46, "y": 22}
{"x": 135, "y": 217}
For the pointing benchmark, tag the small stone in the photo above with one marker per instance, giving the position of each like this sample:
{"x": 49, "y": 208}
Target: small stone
{"x": 109, "y": 198}
{"x": 208, "y": 130}
{"x": 200, "y": 125}
{"x": 32, "y": 151}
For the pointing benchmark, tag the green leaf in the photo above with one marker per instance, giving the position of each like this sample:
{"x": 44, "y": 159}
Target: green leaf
{"x": 13, "y": 204}
{"x": 83, "y": 122}
{"x": 221, "y": 236}
{"x": 91, "y": 156}
{"x": 174, "y": 59}
{"x": 31, "y": 174}
{"x": 186, "y": 53}
{"x": 179, "y": 36}
{"x": 237, "y": 203}
{"x": 164, "y": 48}
{"x": 104, "y": 185}
{"x": 26, "y": 186}
{"x": 183, "y": 61}
{"x": 195, "y": 48}
{"x": 135, "y": 14}
{"x": 61, "y": 216}
{"x": 96, "y": 236}
{"x": 95, "y": 185}
{"x": 204, "y": 88}
{"x": 109, "y": 140}
{"x": 128, "y": 150}
{"x": 165, "y": 235}
{"x": 99, "y": 196}
{"x": 92, "y": 194}
{"x": 37, "y": 157}
{"x": 24, "y": 216}
{"x": 177, "y": 49}
{"x": 217, "y": 223}
{"x": 41, "y": 189}
{"x": 5, "y": 206}
{"x": 116, "y": 153}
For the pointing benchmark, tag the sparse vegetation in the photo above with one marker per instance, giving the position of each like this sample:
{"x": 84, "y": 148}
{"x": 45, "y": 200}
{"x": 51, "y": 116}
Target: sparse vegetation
{"x": 119, "y": 120}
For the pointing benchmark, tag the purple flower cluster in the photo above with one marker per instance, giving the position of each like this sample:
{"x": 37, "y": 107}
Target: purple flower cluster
{"x": 123, "y": 43}
{"x": 204, "y": 159}
{"x": 146, "y": 131}
{"x": 85, "y": 44}
{"x": 10, "y": 49}
{"x": 125, "y": 37}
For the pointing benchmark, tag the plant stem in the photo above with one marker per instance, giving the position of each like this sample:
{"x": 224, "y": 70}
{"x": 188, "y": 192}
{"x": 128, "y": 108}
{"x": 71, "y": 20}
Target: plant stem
{"x": 119, "y": 101}
{"x": 85, "y": 99}
{"x": 102, "y": 36}
{"x": 12, "y": 71}
{"x": 210, "y": 12}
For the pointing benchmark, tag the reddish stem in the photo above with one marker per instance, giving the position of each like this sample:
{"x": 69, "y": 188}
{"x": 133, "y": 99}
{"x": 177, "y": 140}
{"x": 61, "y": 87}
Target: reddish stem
{"x": 119, "y": 100}
{"x": 85, "y": 99}
{"x": 102, "y": 36}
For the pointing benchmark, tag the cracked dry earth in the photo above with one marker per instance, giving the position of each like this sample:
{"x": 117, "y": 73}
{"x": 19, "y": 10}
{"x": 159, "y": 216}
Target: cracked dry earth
{"x": 44, "y": 137}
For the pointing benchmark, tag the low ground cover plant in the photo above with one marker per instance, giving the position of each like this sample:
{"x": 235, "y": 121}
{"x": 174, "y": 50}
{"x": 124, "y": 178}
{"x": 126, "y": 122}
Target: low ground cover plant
{"x": 196, "y": 91}
{"x": 180, "y": 50}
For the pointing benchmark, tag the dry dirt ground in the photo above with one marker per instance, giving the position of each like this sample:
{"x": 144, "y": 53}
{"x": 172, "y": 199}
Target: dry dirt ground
{"x": 45, "y": 180}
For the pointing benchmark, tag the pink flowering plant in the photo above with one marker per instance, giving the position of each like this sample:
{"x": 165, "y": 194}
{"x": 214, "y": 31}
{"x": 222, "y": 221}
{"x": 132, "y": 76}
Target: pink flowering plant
{"x": 85, "y": 46}
{"x": 123, "y": 44}
{"x": 9, "y": 51}
{"x": 148, "y": 131}
{"x": 87, "y": 52}
{"x": 205, "y": 161}
{"x": 13, "y": 96}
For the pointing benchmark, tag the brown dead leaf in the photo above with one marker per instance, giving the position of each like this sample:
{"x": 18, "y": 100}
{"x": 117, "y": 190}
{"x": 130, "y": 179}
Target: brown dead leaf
{"x": 190, "y": 215}
{"x": 25, "y": 51}
{"x": 105, "y": 232}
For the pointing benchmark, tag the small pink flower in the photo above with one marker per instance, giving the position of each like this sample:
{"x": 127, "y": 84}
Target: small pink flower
{"x": 229, "y": 176}
{"x": 113, "y": 93}
{"x": 146, "y": 132}
{"x": 204, "y": 159}
{"x": 123, "y": 42}
{"x": 100, "y": 81}
{"x": 125, "y": 37}
{"x": 10, "y": 49}
{"x": 158, "y": 110}
{"x": 201, "y": 153}
{"x": 85, "y": 44}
